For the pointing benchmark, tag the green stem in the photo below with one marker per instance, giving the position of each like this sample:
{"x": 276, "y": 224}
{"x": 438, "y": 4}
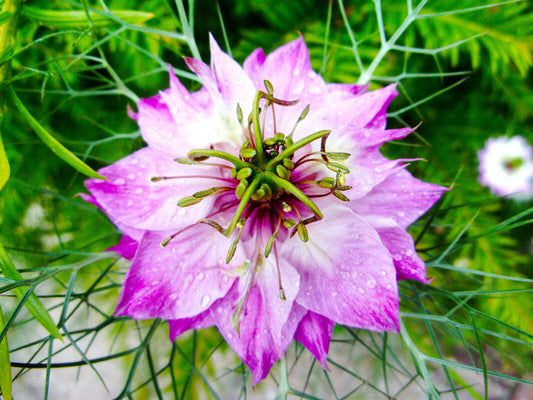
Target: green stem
{"x": 200, "y": 153}
{"x": 258, "y": 136}
{"x": 242, "y": 205}
{"x": 298, "y": 145}
{"x": 283, "y": 387}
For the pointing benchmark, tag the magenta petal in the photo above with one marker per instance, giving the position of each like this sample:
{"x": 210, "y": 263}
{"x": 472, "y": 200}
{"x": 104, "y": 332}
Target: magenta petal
{"x": 254, "y": 343}
{"x": 346, "y": 274}
{"x": 177, "y": 326}
{"x": 180, "y": 280}
{"x": 127, "y": 247}
{"x": 131, "y": 198}
{"x": 314, "y": 332}
{"x": 400, "y": 197}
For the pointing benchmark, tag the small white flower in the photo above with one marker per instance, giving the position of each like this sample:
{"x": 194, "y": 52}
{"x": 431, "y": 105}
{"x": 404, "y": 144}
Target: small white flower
{"x": 506, "y": 167}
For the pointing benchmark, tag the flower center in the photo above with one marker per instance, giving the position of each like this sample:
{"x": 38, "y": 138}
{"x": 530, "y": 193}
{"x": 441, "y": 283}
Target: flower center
{"x": 263, "y": 174}
{"x": 513, "y": 164}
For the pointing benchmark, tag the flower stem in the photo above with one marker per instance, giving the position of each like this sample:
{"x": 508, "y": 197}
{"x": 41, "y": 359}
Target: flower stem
{"x": 283, "y": 387}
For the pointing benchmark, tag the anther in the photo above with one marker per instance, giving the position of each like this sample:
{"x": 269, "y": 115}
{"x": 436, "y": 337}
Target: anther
{"x": 248, "y": 153}
{"x": 241, "y": 188}
{"x": 244, "y": 173}
{"x": 302, "y": 232}
{"x": 283, "y": 172}
{"x": 188, "y": 201}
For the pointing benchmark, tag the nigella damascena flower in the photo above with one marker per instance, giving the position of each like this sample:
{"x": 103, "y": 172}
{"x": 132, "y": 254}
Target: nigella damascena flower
{"x": 262, "y": 205}
{"x": 506, "y": 167}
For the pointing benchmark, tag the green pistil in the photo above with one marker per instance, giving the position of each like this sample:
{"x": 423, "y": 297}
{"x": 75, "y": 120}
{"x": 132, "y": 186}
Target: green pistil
{"x": 263, "y": 170}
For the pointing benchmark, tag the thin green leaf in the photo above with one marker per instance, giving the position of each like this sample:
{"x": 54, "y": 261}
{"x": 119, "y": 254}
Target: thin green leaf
{"x": 4, "y": 165}
{"x": 62, "y": 19}
{"x": 33, "y": 304}
{"x": 5, "y": 364}
{"x": 51, "y": 142}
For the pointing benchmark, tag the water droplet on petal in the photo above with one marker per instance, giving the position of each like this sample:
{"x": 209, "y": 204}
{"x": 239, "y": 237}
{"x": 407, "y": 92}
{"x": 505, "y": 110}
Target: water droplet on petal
{"x": 205, "y": 300}
{"x": 200, "y": 276}
{"x": 138, "y": 191}
{"x": 401, "y": 214}
{"x": 131, "y": 176}
{"x": 181, "y": 212}
{"x": 119, "y": 181}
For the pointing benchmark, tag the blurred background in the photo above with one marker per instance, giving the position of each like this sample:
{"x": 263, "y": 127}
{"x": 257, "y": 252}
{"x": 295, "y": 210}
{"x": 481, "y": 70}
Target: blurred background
{"x": 70, "y": 70}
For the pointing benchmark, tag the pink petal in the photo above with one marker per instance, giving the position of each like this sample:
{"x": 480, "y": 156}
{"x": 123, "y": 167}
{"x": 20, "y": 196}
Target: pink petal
{"x": 314, "y": 332}
{"x": 135, "y": 234}
{"x": 131, "y": 198}
{"x": 177, "y": 326}
{"x": 346, "y": 274}
{"x": 254, "y": 343}
{"x": 400, "y": 197}
{"x": 289, "y": 70}
{"x": 253, "y": 62}
{"x": 402, "y": 248}
{"x": 227, "y": 85}
{"x": 277, "y": 310}
{"x": 182, "y": 279}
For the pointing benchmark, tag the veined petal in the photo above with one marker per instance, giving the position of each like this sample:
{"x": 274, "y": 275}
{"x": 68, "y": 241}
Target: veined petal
{"x": 254, "y": 343}
{"x": 180, "y": 280}
{"x": 228, "y": 85}
{"x": 131, "y": 198}
{"x": 400, "y": 197}
{"x": 402, "y": 248}
{"x": 345, "y": 271}
{"x": 276, "y": 310}
{"x": 314, "y": 332}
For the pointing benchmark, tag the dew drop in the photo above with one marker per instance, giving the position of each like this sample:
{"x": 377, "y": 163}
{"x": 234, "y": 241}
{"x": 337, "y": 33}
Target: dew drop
{"x": 181, "y": 212}
{"x": 409, "y": 252}
{"x": 401, "y": 214}
{"x": 361, "y": 290}
{"x": 119, "y": 181}
{"x": 129, "y": 203}
{"x": 383, "y": 272}
{"x": 131, "y": 176}
{"x": 138, "y": 191}
{"x": 200, "y": 276}
{"x": 205, "y": 300}
{"x": 134, "y": 161}
{"x": 230, "y": 335}
{"x": 296, "y": 71}
{"x": 219, "y": 310}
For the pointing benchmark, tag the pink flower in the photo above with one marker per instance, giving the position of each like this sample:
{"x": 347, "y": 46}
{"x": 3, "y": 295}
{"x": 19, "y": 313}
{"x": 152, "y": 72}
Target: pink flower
{"x": 262, "y": 205}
